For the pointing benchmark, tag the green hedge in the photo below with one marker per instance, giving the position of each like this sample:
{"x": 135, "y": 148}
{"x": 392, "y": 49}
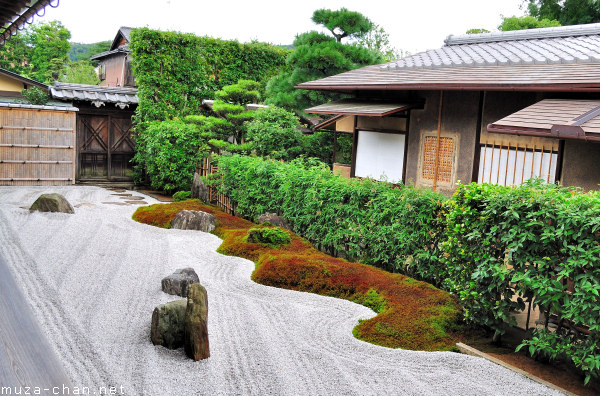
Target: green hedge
{"x": 394, "y": 228}
{"x": 496, "y": 248}
{"x": 176, "y": 71}
{"x": 530, "y": 243}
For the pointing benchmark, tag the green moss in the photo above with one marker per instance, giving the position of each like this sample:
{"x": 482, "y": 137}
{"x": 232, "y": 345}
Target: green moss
{"x": 270, "y": 236}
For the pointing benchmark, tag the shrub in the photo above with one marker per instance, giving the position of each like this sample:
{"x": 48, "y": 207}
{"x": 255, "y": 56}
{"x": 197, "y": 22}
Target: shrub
{"x": 181, "y": 196}
{"x": 538, "y": 243}
{"x": 35, "y": 96}
{"x": 394, "y": 228}
{"x": 273, "y": 132}
{"x": 170, "y": 152}
{"x": 272, "y": 236}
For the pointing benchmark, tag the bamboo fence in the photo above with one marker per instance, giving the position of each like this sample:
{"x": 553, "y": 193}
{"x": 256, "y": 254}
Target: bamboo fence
{"x": 219, "y": 199}
{"x": 37, "y": 145}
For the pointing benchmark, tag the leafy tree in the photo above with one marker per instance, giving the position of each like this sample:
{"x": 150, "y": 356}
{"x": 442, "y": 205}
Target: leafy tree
{"x": 80, "y": 51}
{"x": 343, "y": 23}
{"x": 81, "y": 72}
{"x": 525, "y": 22}
{"x": 378, "y": 40}
{"x": 35, "y": 96}
{"x": 273, "y": 132}
{"x": 567, "y": 12}
{"x": 40, "y": 52}
{"x": 50, "y": 50}
{"x": 318, "y": 55}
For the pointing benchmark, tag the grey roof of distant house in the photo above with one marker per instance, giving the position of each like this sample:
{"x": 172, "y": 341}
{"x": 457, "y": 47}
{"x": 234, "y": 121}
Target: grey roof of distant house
{"x": 555, "y": 45}
{"x": 95, "y": 94}
{"x": 123, "y": 49}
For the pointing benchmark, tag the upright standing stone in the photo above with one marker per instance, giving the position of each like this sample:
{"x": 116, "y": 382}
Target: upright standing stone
{"x": 196, "y": 323}
{"x": 200, "y": 190}
{"x": 168, "y": 323}
{"x": 52, "y": 203}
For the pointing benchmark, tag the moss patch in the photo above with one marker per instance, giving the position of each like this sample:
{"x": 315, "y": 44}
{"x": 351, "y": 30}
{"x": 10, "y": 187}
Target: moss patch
{"x": 411, "y": 314}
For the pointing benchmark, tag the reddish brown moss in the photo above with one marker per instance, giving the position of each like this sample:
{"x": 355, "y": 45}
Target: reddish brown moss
{"x": 416, "y": 315}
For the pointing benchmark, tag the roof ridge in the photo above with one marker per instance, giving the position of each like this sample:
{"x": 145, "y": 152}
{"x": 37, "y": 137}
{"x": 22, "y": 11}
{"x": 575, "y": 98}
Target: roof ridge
{"x": 527, "y": 34}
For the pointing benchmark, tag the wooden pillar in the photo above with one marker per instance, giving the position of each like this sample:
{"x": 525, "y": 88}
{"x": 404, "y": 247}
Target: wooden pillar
{"x": 437, "y": 150}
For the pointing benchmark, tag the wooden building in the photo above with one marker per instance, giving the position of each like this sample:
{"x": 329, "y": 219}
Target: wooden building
{"x": 104, "y": 143}
{"x": 492, "y": 107}
{"x": 114, "y": 65}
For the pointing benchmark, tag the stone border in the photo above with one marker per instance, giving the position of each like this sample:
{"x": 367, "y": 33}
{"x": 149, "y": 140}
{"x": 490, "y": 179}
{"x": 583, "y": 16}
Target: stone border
{"x": 468, "y": 350}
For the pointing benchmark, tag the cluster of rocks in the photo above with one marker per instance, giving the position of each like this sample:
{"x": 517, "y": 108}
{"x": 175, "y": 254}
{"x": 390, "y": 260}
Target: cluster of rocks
{"x": 183, "y": 323}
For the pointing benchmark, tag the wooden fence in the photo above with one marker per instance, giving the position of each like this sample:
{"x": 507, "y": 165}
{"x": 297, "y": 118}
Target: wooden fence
{"x": 221, "y": 200}
{"x": 37, "y": 145}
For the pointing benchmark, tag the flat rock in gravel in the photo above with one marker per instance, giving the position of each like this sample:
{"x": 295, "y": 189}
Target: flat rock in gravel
{"x": 194, "y": 220}
{"x": 195, "y": 339}
{"x": 167, "y": 324}
{"x": 178, "y": 282}
{"x": 52, "y": 203}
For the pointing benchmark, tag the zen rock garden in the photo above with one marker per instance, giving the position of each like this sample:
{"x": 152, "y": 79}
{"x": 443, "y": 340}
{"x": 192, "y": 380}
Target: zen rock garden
{"x": 183, "y": 323}
{"x": 52, "y": 203}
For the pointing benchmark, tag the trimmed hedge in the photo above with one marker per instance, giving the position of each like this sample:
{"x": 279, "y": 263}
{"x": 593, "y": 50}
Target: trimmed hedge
{"x": 392, "y": 227}
{"x": 176, "y": 71}
{"x": 539, "y": 243}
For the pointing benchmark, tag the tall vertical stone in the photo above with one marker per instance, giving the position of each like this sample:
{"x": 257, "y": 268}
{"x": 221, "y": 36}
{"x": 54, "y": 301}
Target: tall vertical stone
{"x": 196, "y": 323}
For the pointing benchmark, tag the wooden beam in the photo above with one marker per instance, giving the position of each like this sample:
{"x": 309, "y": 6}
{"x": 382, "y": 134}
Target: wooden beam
{"x": 437, "y": 150}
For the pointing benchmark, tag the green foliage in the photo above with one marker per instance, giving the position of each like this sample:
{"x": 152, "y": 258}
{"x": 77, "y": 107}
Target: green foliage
{"x": 343, "y": 23}
{"x": 245, "y": 91}
{"x": 373, "y": 300}
{"x": 391, "y": 228}
{"x": 80, "y": 51}
{"x": 318, "y": 55}
{"x": 170, "y": 152}
{"x": 81, "y": 72}
{"x": 378, "y": 40}
{"x": 35, "y": 96}
{"x": 525, "y": 22}
{"x": 273, "y": 132}
{"x": 270, "y": 236}
{"x": 477, "y": 31}
{"x": 181, "y": 196}
{"x": 567, "y": 12}
{"x": 529, "y": 242}
{"x": 40, "y": 52}
{"x": 176, "y": 71}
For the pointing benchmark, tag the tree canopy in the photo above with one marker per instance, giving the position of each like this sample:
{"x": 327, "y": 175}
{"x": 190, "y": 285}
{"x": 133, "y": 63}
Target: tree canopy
{"x": 567, "y": 12}
{"x": 525, "y": 22}
{"x": 319, "y": 55}
{"x": 40, "y": 52}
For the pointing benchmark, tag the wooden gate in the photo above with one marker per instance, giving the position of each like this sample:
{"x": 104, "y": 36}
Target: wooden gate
{"x": 105, "y": 147}
{"x": 37, "y": 144}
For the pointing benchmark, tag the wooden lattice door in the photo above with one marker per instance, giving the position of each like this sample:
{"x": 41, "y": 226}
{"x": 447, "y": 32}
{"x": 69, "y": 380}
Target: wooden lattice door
{"x": 105, "y": 147}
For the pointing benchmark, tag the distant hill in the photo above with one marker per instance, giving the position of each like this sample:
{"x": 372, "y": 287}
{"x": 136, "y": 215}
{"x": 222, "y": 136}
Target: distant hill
{"x": 287, "y": 46}
{"x": 81, "y": 51}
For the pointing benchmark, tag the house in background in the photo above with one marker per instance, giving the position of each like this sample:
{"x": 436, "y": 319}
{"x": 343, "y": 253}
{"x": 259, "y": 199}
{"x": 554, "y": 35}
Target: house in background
{"x": 11, "y": 85}
{"x": 493, "y": 107}
{"x": 114, "y": 65}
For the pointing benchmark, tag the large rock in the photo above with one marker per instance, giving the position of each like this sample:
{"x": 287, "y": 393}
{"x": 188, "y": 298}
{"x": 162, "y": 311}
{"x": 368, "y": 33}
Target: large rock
{"x": 178, "y": 282}
{"x": 194, "y": 220}
{"x": 52, "y": 203}
{"x": 168, "y": 321}
{"x": 200, "y": 190}
{"x": 275, "y": 219}
{"x": 195, "y": 338}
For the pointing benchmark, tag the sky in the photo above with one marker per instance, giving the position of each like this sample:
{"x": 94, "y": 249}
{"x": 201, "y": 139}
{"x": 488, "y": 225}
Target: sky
{"x": 412, "y": 25}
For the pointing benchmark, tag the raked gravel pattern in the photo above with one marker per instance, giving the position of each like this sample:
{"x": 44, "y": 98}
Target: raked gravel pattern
{"x": 93, "y": 279}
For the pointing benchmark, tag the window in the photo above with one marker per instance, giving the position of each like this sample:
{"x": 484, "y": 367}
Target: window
{"x": 511, "y": 166}
{"x": 446, "y": 159}
{"x": 380, "y": 155}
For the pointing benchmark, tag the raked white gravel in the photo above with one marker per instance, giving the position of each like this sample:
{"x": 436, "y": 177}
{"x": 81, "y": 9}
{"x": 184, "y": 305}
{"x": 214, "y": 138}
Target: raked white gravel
{"x": 93, "y": 279}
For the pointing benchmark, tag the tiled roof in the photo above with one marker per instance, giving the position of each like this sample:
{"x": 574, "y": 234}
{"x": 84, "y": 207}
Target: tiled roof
{"x": 359, "y": 107}
{"x": 554, "y": 59}
{"x": 123, "y": 48}
{"x": 121, "y": 97}
{"x": 37, "y": 107}
{"x": 565, "y": 44}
